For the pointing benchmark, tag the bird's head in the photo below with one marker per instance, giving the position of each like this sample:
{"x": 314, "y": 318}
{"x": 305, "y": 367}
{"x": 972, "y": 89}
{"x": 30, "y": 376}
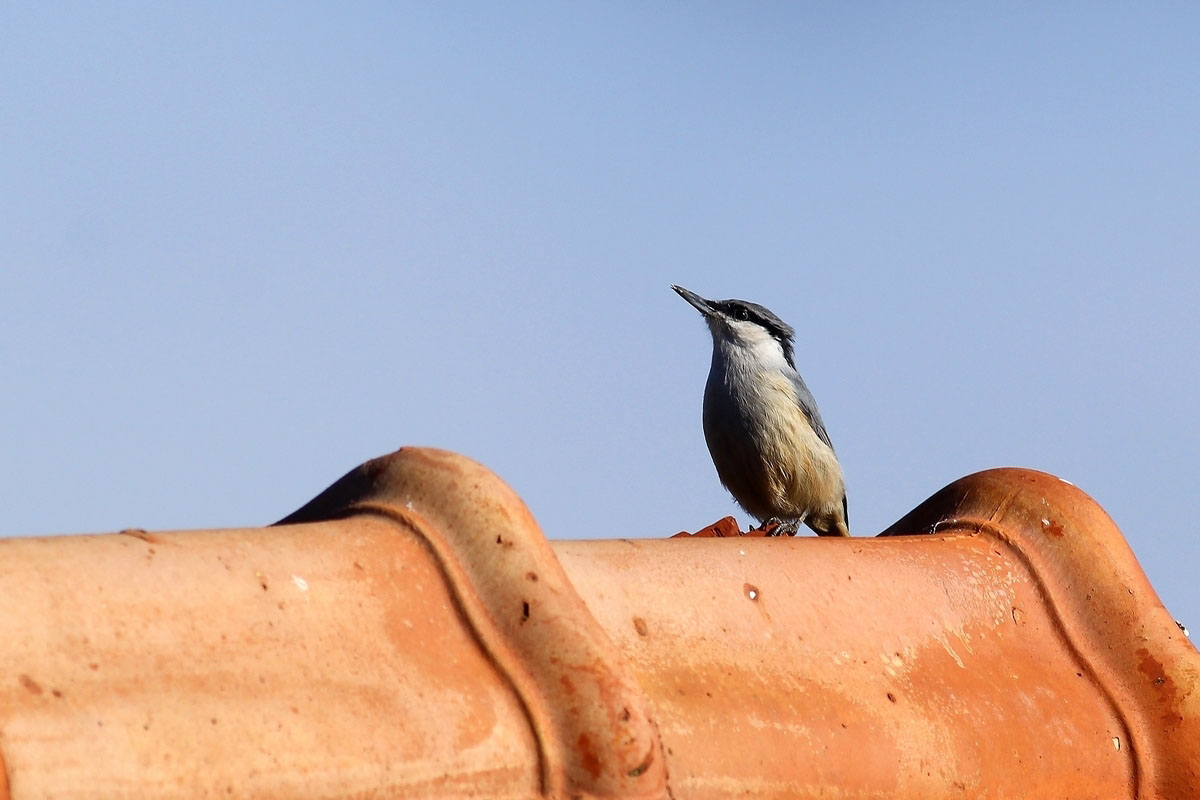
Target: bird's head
{"x": 741, "y": 327}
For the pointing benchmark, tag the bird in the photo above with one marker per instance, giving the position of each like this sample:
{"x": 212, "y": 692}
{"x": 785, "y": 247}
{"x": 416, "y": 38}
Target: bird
{"x": 764, "y": 432}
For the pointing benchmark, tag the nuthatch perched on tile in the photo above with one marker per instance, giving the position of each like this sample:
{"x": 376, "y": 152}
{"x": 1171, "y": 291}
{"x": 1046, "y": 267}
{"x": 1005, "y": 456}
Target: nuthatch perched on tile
{"x": 761, "y": 422}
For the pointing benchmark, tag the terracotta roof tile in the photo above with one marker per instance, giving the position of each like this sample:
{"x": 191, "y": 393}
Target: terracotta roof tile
{"x": 410, "y": 633}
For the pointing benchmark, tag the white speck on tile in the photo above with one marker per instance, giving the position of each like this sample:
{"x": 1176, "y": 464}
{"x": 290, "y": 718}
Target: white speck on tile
{"x": 945, "y": 643}
{"x": 301, "y": 584}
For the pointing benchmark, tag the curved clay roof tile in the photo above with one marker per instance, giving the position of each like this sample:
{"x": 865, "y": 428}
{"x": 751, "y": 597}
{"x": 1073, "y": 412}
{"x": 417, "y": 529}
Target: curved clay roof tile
{"x": 410, "y": 633}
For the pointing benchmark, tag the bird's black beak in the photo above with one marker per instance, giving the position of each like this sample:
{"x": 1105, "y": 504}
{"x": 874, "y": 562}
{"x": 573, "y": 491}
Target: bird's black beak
{"x": 705, "y": 307}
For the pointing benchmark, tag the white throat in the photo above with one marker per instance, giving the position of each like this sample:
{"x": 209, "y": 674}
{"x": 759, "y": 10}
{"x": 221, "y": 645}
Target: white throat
{"x": 747, "y": 348}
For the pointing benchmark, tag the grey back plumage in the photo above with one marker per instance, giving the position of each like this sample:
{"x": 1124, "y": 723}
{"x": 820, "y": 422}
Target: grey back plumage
{"x": 808, "y": 404}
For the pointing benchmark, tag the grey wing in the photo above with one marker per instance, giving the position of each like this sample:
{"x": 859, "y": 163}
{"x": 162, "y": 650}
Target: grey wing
{"x": 808, "y": 405}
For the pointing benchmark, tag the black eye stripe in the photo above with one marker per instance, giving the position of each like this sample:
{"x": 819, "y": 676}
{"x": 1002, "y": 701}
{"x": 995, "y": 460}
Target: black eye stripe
{"x": 743, "y": 311}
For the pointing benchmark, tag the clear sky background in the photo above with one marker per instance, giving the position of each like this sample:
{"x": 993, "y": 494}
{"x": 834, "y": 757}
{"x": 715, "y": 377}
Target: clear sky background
{"x": 248, "y": 246}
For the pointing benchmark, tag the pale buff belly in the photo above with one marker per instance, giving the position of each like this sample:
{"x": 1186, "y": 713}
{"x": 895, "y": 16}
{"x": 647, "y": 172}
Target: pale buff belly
{"x": 781, "y": 468}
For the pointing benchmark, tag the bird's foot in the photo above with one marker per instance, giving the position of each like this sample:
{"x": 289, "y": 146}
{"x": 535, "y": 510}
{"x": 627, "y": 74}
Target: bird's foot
{"x": 780, "y": 527}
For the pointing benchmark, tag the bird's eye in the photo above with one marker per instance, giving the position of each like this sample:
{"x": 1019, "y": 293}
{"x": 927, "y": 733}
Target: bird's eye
{"x": 742, "y": 314}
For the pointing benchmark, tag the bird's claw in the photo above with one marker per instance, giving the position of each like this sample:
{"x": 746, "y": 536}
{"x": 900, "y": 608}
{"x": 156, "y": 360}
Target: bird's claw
{"x": 780, "y": 527}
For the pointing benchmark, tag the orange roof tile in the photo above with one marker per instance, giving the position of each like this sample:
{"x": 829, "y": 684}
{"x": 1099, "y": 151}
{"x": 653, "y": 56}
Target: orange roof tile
{"x": 410, "y": 633}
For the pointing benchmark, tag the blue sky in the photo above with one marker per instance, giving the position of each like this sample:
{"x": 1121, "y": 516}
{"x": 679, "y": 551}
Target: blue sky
{"x": 247, "y": 247}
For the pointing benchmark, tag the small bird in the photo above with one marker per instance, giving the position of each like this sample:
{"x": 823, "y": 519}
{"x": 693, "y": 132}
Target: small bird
{"x": 763, "y": 429}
